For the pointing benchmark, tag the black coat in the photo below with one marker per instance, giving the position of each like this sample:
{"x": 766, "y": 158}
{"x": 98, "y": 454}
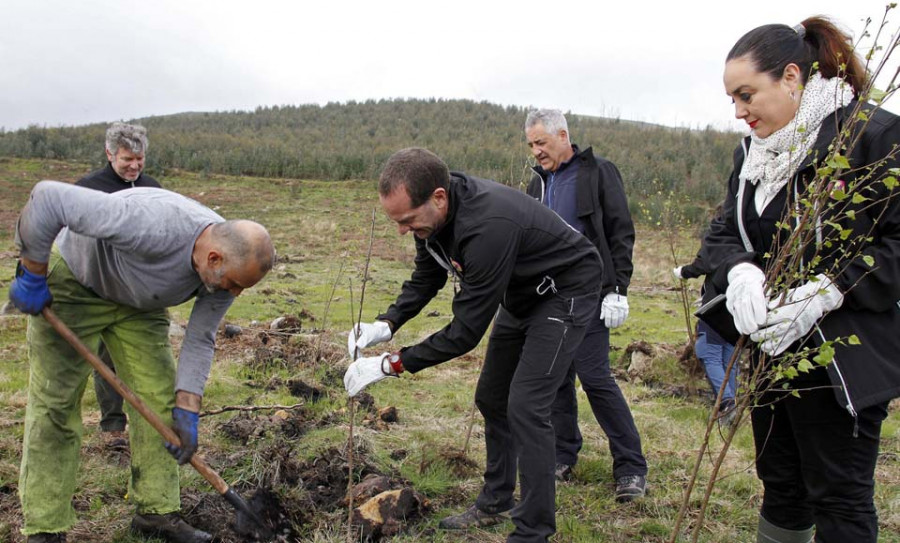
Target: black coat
{"x": 603, "y": 207}
{"x": 865, "y": 374}
{"x": 502, "y": 246}
{"x": 107, "y": 180}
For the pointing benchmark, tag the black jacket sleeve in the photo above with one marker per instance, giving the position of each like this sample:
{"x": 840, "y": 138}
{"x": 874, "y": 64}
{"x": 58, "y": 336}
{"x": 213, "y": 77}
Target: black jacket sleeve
{"x": 617, "y": 225}
{"x": 876, "y": 287}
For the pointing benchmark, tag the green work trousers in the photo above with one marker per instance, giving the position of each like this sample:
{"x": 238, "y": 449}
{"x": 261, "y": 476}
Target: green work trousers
{"x": 139, "y": 345}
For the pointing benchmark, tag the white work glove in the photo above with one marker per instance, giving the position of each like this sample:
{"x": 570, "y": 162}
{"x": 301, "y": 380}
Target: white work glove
{"x": 369, "y": 334}
{"x": 614, "y": 310}
{"x": 365, "y": 371}
{"x": 677, "y": 272}
{"x": 745, "y": 297}
{"x": 793, "y": 317}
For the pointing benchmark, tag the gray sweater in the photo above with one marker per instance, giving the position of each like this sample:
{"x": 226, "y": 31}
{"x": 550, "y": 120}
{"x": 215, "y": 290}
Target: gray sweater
{"x": 132, "y": 247}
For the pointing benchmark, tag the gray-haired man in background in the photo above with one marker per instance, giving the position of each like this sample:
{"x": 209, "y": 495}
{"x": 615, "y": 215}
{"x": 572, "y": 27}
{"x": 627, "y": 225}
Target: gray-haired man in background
{"x": 126, "y": 151}
{"x": 588, "y": 193}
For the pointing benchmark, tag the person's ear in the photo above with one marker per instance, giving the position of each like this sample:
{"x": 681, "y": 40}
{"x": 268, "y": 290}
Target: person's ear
{"x": 439, "y": 196}
{"x": 214, "y": 260}
{"x": 791, "y": 77}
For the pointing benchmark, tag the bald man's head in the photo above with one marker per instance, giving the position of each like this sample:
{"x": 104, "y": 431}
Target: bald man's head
{"x": 236, "y": 256}
{"x": 245, "y": 242}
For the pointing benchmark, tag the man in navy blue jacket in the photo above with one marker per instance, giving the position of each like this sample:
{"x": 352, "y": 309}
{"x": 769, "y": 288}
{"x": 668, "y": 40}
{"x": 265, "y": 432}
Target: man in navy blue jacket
{"x": 588, "y": 193}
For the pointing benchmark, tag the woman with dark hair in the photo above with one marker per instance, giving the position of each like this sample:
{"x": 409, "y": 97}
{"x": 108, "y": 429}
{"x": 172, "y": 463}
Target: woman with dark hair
{"x": 817, "y": 435}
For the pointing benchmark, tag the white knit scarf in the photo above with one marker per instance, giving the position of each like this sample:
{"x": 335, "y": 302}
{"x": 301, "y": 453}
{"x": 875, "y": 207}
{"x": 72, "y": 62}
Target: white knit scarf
{"x": 774, "y": 160}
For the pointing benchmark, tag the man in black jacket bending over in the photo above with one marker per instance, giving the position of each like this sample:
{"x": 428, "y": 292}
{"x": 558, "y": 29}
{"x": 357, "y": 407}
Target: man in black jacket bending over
{"x": 588, "y": 193}
{"x": 126, "y": 149}
{"x": 507, "y": 251}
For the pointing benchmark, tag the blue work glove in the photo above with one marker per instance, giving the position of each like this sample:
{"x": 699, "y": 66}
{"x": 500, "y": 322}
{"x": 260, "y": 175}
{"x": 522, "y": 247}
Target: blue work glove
{"x": 29, "y": 291}
{"x": 186, "y": 428}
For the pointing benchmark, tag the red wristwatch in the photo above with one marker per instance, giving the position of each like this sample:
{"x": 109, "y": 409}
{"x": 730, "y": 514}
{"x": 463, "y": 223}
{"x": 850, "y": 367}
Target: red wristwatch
{"x": 396, "y": 364}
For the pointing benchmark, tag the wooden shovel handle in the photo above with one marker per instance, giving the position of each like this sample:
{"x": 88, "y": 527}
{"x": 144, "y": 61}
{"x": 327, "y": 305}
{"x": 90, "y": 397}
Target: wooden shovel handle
{"x": 110, "y": 377}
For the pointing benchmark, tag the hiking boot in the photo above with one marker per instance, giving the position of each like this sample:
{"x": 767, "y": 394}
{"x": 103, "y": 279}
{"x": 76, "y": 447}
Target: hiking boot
{"x": 630, "y": 487}
{"x": 115, "y": 441}
{"x": 170, "y": 527}
{"x": 727, "y": 413}
{"x": 47, "y": 538}
{"x": 728, "y": 418}
{"x": 472, "y": 518}
{"x": 563, "y": 472}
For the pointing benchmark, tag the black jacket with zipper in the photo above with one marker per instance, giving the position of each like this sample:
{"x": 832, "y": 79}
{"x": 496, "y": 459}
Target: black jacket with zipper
{"x": 603, "y": 207}
{"x": 503, "y": 247}
{"x": 868, "y": 373}
{"x": 107, "y": 180}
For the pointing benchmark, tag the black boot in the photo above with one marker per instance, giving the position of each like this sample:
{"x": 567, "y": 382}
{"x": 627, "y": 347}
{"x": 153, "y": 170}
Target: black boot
{"x": 170, "y": 527}
{"x": 47, "y": 538}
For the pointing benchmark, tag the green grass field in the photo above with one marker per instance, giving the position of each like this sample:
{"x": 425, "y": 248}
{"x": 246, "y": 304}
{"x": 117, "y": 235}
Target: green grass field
{"x": 321, "y": 232}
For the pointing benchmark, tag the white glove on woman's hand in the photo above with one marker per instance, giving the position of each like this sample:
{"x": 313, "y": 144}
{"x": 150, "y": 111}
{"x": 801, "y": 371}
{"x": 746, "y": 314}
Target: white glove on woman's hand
{"x": 677, "y": 272}
{"x": 745, "y": 297}
{"x": 369, "y": 334}
{"x": 614, "y": 310}
{"x": 793, "y": 317}
{"x": 366, "y": 371}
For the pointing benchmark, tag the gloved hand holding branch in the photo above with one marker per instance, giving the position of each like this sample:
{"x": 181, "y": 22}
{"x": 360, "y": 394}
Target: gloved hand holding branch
{"x": 367, "y": 370}
{"x": 365, "y": 335}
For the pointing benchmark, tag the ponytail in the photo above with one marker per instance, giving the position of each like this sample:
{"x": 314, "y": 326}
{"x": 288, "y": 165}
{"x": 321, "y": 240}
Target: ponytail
{"x": 816, "y": 40}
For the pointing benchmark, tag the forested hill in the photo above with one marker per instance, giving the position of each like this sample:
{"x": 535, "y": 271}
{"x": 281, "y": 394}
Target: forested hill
{"x": 352, "y": 140}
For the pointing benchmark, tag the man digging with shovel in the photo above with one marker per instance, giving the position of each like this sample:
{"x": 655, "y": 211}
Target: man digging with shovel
{"x": 122, "y": 259}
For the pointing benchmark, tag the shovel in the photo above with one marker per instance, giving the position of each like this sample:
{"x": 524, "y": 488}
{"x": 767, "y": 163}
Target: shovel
{"x": 248, "y": 522}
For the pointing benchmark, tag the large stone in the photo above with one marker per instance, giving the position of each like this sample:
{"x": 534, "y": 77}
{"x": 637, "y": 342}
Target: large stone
{"x": 641, "y": 356}
{"x": 384, "y": 514}
{"x": 640, "y": 365}
{"x": 372, "y": 485}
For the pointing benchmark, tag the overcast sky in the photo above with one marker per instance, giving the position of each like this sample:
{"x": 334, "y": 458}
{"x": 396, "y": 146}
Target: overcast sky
{"x": 65, "y": 62}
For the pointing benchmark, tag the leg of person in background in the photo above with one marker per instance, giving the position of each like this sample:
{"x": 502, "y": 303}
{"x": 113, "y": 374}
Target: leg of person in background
{"x": 112, "y": 416}
{"x": 715, "y": 353}
{"x": 612, "y": 412}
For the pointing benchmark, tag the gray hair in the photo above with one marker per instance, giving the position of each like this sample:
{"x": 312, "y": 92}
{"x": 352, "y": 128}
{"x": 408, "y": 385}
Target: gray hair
{"x": 552, "y": 119}
{"x": 132, "y": 137}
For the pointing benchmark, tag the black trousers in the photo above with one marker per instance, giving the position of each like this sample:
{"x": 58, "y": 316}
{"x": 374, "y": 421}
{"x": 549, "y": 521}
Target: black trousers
{"x": 527, "y": 359}
{"x": 813, "y": 469}
{"x": 607, "y": 402}
{"x": 112, "y": 416}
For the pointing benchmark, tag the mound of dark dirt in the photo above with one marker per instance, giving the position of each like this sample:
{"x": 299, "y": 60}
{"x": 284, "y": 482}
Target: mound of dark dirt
{"x": 325, "y": 478}
{"x": 460, "y": 464}
{"x": 299, "y": 389}
{"x": 211, "y": 513}
{"x": 246, "y": 428}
